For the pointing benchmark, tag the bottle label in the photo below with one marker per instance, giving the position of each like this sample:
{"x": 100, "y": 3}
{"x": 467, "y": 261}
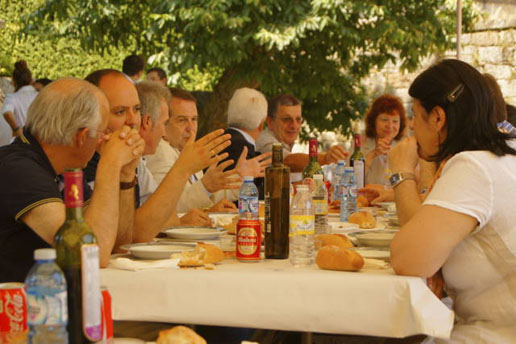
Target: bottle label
{"x": 321, "y": 207}
{"x": 267, "y": 228}
{"x": 302, "y": 225}
{"x": 91, "y": 292}
{"x": 312, "y": 147}
{"x": 248, "y": 205}
{"x": 358, "y": 141}
{"x": 73, "y": 192}
{"x": 358, "y": 167}
{"x": 46, "y": 309}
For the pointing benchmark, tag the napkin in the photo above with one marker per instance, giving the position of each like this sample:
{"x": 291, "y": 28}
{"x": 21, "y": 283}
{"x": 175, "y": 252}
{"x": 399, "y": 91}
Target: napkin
{"x": 124, "y": 263}
{"x": 370, "y": 263}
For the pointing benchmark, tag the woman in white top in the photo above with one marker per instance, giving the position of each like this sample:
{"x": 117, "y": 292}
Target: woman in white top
{"x": 16, "y": 104}
{"x": 385, "y": 124}
{"x": 466, "y": 226}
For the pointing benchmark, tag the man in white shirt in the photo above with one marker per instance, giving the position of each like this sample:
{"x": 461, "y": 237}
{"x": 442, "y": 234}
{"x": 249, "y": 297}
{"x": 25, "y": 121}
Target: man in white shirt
{"x": 202, "y": 190}
{"x": 284, "y": 122}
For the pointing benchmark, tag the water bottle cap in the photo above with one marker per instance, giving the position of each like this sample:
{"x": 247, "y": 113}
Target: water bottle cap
{"x": 341, "y": 162}
{"x": 44, "y": 254}
{"x": 318, "y": 177}
{"x": 248, "y": 179}
{"x": 348, "y": 169}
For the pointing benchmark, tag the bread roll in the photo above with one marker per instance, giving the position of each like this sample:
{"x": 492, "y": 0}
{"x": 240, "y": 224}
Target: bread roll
{"x": 362, "y": 201}
{"x": 179, "y": 335}
{"x": 363, "y": 219}
{"x": 339, "y": 240}
{"x": 202, "y": 254}
{"x": 332, "y": 257}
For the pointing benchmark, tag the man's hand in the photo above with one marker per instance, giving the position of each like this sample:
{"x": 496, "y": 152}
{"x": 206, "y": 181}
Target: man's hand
{"x": 254, "y": 167}
{"x": 403, "y": 157}
{"x": 202, "y": 153}
{"x": 216, "y": 179}
{"x": 223, "y": 206}
{"x": 123, "y": 147}
{"x": 335, "y": 154}
{"x": 17, "y": 132}
{"x": 195, "y": 217}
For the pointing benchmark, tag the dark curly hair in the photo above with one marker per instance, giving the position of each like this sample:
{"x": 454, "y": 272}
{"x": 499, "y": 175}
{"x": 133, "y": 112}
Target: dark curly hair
{"x": 389, "y": 104}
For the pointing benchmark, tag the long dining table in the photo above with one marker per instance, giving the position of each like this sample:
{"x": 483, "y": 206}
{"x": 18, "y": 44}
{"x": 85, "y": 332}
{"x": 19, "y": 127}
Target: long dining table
{"x": 272, "y": 294}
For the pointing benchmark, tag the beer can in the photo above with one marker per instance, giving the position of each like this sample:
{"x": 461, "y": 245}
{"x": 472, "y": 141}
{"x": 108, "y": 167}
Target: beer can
{"x": 248, "y": 240}
{"x": 106, "y": 316}
{"x": 13, "y": 313}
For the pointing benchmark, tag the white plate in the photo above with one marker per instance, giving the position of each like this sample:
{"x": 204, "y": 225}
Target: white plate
{"x": 376, "y": 238}
{"x": 373, "y": 253}
{"x": 342, "y": 227}
{"x": 156, "y": 250}
{"x": 389, "y": 206}
{"x": 195, "y": 233}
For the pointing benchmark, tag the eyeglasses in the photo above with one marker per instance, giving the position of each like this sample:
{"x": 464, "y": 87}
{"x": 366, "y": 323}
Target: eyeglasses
{"x": 290, "y": 120}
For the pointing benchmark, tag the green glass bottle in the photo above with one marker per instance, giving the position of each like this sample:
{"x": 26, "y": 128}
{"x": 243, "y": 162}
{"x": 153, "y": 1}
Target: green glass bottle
{"x": 78, "y": 257}
{"x": 313, "y": 166}
{"x": 357, "y": 161}
{"x": 277, "y": 204}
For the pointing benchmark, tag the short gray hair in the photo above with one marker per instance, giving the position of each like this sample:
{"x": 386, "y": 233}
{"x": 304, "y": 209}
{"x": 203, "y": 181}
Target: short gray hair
{"x": 151, "y": 93}
{"x": 62, "y": 108}
{"x": 247, "y": 109}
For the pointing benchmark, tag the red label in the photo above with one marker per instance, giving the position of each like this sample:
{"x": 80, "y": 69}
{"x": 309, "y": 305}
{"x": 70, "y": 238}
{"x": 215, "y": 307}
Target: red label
{"x": 313, "y": 147}
{"x": 358, "y": 141}
{"x": 249, "y": 240}
{"x": 13, "y": 311}
{"x": 73, "y": 189}
{"x": 107, "y": 315}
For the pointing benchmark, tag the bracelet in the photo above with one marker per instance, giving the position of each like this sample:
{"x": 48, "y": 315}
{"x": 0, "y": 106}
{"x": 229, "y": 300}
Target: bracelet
{"x": 128, "y": 185}
{"x": 15, "y": 129}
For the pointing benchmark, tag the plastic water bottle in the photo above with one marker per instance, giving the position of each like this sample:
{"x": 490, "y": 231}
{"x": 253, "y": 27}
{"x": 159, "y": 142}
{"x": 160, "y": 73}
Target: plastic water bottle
{"x": 302, "y": 225}
{"x": 320, "y": 201}
{"x": 45, "y": 286}
{"x": 339, "y": 172}
{"x": 248, "y": 200}
{"x": 349, "y": 191}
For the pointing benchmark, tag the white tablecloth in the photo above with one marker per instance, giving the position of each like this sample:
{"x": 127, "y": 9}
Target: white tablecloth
{"x": 274, "y": 295}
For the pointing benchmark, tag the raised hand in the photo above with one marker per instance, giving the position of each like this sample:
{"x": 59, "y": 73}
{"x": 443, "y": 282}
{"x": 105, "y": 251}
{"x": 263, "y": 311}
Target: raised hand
{"x": 123, "y": 147}
{"x": 254, "y": 167}
{"x": 195, "y": 217}
{"x": 335, "y": 154}
{"x": 196, "y": 155}
{"x": 216, "y": 179}
{"x": 382, "y": 146}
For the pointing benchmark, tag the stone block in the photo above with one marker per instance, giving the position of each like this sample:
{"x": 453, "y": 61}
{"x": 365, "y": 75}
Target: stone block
{"x": 509, "y": 55}
{"x": 484, "y": 38}
{"x": 499, "y": 71}
{"x": 491, "y": 54}
{"x": 507, "y": 37}
{"x": 469, "y": 49}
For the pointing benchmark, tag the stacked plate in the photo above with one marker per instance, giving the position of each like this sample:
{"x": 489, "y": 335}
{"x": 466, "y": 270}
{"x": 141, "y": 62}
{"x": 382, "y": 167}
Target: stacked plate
{"x": 373, "y": 238}
{"x": 156, "y": 250}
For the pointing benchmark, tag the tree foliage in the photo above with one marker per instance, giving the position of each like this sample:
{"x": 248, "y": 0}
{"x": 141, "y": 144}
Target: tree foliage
{"x": 318, "y": 50}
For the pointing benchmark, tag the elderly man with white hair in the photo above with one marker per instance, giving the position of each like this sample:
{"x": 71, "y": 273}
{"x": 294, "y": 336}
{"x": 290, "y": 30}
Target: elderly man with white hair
{"x": 247, "y": 111}
{"x": 65, "y": 124}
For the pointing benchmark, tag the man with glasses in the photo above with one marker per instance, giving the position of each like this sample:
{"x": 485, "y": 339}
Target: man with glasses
{"x": 284, "y": 120}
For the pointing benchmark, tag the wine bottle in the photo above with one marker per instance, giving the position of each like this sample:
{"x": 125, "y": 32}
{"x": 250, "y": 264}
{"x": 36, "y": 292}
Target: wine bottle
{"x": 313, "y": 166}
{"x": 277, "y": 204}
{"x": 357, "y": 161}
{"x": 78, "y": 257}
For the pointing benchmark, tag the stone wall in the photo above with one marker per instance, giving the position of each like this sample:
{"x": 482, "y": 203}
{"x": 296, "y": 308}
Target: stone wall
{"x": 491, "y": 49}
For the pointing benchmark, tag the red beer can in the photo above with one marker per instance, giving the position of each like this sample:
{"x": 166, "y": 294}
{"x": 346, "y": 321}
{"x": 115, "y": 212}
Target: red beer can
{"x": 107, "y": 316}
{"x": 13, "y": 313}
{"x": 248, "y": 240}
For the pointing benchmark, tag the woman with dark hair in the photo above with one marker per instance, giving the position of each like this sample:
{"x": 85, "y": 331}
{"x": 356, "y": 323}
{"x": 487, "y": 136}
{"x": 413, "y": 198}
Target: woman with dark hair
{"x": 385, "y": 124}
{"x": 465, "y": 227}
{"x": 16, "y": 104}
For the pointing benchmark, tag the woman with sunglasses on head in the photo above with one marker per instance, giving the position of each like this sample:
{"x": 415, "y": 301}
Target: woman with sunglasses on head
{"x": 465, "y": 227}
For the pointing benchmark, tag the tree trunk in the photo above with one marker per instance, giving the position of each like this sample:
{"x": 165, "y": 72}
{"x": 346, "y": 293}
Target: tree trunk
{"x": 213, "y": 114}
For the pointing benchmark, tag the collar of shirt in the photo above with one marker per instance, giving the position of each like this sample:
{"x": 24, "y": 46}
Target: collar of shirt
{"x": 26, "y": 88}
{"x": 246, "y": 136}
{"x": 27, "y": 138}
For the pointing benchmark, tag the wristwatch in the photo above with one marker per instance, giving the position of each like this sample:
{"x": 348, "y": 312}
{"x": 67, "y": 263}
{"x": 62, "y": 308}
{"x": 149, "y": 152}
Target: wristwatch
{"x": 399, "y": 177}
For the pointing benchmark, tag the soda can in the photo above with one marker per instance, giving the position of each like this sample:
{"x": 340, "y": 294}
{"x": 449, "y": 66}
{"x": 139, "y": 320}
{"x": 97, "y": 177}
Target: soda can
{"x": 248, "y": 240}
{"x": 106, "y": 316}
{"x": 13, "y": 313}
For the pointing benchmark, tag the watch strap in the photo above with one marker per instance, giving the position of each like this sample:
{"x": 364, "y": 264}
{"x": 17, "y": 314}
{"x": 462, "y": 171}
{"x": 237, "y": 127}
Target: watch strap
{"x": 128, "y": 185}
{"x": 397, "y": 178}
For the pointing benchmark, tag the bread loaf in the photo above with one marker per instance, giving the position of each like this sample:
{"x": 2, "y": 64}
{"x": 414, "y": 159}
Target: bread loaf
{"x": 179, "y": 335}
{"x": 362, "y": 201}
{"x": 202, "y": 254}
{"x": 332, "y": 257}
{"x": 363, "y": 219}
{"x": 339, "y": 240}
